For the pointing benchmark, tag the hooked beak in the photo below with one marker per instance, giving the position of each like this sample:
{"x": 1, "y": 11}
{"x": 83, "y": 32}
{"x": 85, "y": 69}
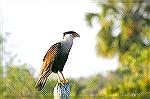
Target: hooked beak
{"x": 78, "y": 35}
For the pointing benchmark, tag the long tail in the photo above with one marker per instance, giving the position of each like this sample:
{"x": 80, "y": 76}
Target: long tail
{"x": 42, "y": 80}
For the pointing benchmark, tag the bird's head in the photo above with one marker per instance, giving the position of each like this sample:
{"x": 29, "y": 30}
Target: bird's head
{"x": 72, "y": 33}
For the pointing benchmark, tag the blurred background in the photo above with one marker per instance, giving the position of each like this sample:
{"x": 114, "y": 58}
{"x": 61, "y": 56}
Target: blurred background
{"x": 111, "y": 58}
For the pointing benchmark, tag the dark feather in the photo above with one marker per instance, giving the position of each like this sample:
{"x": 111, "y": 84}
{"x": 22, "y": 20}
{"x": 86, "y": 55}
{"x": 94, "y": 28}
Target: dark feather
{"x": 47, "y": 65}
{"x": 50, "y": 56}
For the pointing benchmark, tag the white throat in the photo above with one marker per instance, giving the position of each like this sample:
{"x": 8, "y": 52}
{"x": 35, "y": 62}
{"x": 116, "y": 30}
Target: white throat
{"x": 67, "y": 43}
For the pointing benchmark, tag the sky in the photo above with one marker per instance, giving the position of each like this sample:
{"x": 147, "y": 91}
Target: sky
{"x": 35, "y": 25}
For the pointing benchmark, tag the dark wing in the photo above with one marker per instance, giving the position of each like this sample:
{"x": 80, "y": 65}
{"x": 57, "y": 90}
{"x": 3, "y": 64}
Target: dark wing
{"x": 50, "y": 56}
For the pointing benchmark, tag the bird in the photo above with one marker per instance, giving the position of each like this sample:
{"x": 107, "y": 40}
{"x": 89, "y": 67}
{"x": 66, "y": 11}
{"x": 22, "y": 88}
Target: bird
{"x": 55, "y": 59}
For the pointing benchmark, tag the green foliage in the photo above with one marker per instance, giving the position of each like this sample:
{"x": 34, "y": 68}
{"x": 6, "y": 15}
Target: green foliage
{"x": 1, "y": 70}
{"x": 76, "y": 87}
{"x": 89, "y": 18}
{"x": 18, "y": 82}
{"x": 131, "y": 44}
{"x": 93, "y": 85}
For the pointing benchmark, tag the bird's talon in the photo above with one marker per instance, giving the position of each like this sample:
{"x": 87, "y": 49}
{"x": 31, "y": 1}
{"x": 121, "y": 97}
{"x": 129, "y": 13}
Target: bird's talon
{"x": 64, "y": 81}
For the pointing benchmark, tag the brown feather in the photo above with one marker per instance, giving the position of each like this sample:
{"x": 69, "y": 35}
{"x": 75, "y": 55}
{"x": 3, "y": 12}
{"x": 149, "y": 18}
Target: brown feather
{"x": 48, "y": 61}
{"x": 51, "y": 54}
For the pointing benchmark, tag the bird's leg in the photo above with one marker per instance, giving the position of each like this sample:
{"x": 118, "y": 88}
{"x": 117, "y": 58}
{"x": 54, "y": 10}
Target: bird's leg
{"x": 60, "y": 80}
{"x": 58, "y": 77}
{"x": 64, "y": 80}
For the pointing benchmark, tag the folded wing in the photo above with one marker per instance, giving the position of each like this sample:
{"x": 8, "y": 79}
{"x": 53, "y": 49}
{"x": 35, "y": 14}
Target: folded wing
{"x": 47, "y": 65}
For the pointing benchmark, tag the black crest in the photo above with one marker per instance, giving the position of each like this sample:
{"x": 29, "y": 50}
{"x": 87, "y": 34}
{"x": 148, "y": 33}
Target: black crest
{"x": 69, "y": 32}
